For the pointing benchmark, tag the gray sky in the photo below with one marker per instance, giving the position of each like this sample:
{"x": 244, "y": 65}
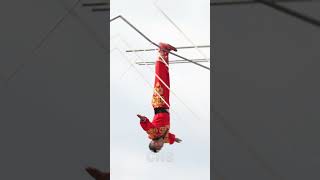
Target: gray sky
{"x": 131, "y": 94}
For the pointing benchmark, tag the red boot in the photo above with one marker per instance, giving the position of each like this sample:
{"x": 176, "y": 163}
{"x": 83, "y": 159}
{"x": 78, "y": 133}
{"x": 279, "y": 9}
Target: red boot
{"x": 164, "y": 50}
{"x": 167, "y": 47}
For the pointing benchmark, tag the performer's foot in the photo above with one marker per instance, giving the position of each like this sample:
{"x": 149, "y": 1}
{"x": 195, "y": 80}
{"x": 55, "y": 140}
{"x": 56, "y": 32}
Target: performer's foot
{"x": 167, "y": 47}
{"x": 164, "y": 50}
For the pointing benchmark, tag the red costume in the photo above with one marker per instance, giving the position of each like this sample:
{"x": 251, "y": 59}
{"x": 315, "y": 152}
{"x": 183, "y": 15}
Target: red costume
{"x": 160, "y": 99}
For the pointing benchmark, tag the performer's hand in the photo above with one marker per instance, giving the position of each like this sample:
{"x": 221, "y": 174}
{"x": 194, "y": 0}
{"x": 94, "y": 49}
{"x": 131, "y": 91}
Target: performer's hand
{"x": 142, "y": 118}
{"x": 177, "y": 140}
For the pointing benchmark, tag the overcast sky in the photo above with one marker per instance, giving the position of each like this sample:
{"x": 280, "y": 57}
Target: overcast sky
{"x": 131, "y": 91}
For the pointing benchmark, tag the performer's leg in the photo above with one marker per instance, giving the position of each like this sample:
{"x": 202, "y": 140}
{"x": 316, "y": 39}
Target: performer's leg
{"x": 162, "y": 79}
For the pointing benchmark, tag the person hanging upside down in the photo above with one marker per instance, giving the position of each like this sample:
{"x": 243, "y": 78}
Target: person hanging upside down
{"x": 158, "y": 129}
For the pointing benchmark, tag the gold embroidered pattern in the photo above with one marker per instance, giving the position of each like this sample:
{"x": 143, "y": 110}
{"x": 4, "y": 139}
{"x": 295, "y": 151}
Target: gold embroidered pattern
{"x": 156, "y": 99}
{"x": 152, "y": 131}
{"x": 164, "y": 129}
{"x": 155, "y": 132}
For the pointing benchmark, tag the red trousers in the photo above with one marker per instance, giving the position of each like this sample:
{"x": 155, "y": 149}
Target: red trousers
{"x": 160, "y": 98}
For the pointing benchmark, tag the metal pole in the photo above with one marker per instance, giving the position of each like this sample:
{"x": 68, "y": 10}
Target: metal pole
{"x": 172, "y": 61}
{"x": 181, "y": 47}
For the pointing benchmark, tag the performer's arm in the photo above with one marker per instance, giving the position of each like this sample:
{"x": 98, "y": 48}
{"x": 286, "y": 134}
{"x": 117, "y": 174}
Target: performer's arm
{"x": 145, "y": 123}
{"x": 171, "y": 138}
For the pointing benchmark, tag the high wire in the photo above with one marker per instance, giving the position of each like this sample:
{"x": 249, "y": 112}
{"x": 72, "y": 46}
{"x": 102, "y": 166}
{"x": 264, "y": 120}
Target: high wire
{"x": 181, "y": 47}
{"x": 153, "y": 43}
{"x": 172, "y": 62}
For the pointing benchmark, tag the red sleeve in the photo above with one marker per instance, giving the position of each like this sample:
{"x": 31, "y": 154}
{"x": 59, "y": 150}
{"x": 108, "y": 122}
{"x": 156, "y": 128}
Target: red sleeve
{"x": 172, "y": 138}
{"x": 146, "y": 125}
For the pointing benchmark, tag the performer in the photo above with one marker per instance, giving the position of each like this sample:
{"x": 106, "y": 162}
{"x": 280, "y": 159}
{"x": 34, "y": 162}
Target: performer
{"x": 158, "y": 129}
